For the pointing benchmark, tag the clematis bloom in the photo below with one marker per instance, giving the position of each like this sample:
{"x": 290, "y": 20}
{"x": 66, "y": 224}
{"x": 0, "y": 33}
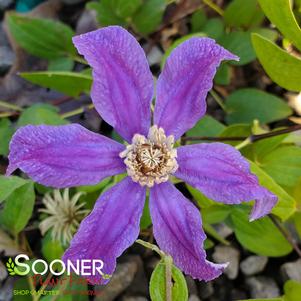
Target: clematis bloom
{"x": 122, "y": 91}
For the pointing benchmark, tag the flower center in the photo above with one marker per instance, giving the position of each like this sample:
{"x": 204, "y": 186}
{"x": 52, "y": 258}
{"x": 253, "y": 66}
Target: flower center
{"x": 150, "y": 160}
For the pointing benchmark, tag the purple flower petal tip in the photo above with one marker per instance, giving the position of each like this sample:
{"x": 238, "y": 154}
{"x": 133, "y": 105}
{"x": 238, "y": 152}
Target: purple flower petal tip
{"x": 220, "y": 172}
{"x": 64, "y": 156}
{"x": 184, "y": 83}
{"x": 111, "y": 227}
{"x": 177, "y": 228}
{"x": 122, "y": 87}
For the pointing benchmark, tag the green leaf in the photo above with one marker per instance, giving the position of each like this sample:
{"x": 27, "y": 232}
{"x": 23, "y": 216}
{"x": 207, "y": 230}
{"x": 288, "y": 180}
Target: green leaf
{"x": 198, "y": 20}
{"x": 157, "y": 284}
{"x": 41, "y": 114}
{"x": 280, "y": 13}
{"x": 206, "y": 126}
{"x": 243, "y": 13}
{"x": 292, "y": 290}
{"x": 261, "y": 236}
{"x": 286, "y": 205}
{"x": 8, "y": 185}
{"x": 223, "y": 75}
{"x": 61, "y": 64}
{"x": 273, "y": 299}
{"x": 51, "y": 249}
{"x": 42, "y": 37}
{"x": 268, "y": 33}
{"x": 106, "y": 14}
{"x": 18, "y": 208}
{"x": 145, "y": 220}
{"x": 69, "y": 83}
{"x": 283, "y": 165}
{"x": 239, "y": 43}
{"x": 202, "y": 200}
{"x": 236, "y": 130}
{"x": 149, "y": 16}
{"x": 215, "y": 214}
{"x": 6, "y": 132}
{"x": 126, "y": 8}
{"x": 245, "y": 105}
{"x": 213, "y": 28}
{"x": 283, "y": 68}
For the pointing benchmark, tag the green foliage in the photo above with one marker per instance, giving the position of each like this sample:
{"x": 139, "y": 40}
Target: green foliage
{"x": 245, "y": 105}
{"x": 51, "y": 249}
{"x": 8, "y": 185}
{"x": 143, "y": 15}
{"x": 239, "y": 43}
{"x": 241, "y": 13}
{"x": 6, "y": 132}
{"x": 283, "y": 68}
{"x": 69, "y": 83}
{"x": 42, "y": 37}
{"x": 261, "y": 236}
{"x": 40, "y": 114}
{"x": 157, "y": 284}
{"x": 207, "y": 126}
{"x": 281, "y": 15}
{"x": 292, "y": 290}
{"x": 149, "y": 16}
{"x": 18, "y": 208}
{"x": 286, "y": 205}
{"x": 284, "y": 165}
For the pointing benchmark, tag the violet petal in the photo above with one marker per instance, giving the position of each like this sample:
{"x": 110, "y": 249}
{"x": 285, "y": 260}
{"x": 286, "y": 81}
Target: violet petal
{"x": 184, "y": 83}
{"x": 220, "y": 172}
{"x": 111, "y": 227}
{"x": 122, "y": 82}
{"x": 64, "y": 156}
{"x": 177, "y": 228}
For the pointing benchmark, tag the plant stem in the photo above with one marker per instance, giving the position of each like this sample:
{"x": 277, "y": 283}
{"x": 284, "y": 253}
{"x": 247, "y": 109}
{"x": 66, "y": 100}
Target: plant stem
{"x": 243, "y": 144}
{"x": 151, "y": 246}
{"x": 79, "y": 59}
{"x": 168, "y": 277}
{"x": 7, "y": 105}
{"x": 218, "y": 99}
{"x": 287, "y": 235}
{"x": 77, "y": 111}
{"x": 251, "y": 138}
{"x": 7, "y": 114}
{"x": 214, "y": 7}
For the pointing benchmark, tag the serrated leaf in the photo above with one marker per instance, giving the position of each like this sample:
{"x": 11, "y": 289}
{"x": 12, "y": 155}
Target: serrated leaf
{"x": 280, "y": 13}
{"x": 42, "y": 37}
{"x": 283, "y": 68}
{"x": 18, "y": 208}
{"x": 261, "y": 236}
{"x": 69, "y": 83}
{"x": 157, "y": 284}
{"x": 41, "y": 114}
{"x": 246, "y": 105}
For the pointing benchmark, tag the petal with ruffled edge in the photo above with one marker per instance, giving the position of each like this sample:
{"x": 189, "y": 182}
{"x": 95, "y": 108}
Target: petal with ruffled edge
{"x": 64, "y": 156}
{"x": 177, "y": 228}
{"x": 122, "y": 82}
{"x": 184, "y": 83}
{"x": 111, "y": 227}
{"x": 220, "y": 172}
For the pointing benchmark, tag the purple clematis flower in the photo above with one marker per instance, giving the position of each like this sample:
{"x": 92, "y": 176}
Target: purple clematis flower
{"x": 122, "y": 91}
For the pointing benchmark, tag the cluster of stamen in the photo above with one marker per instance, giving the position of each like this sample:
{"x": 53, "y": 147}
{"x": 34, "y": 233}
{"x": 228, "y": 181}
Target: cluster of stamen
{"x": 150, "y": 160}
